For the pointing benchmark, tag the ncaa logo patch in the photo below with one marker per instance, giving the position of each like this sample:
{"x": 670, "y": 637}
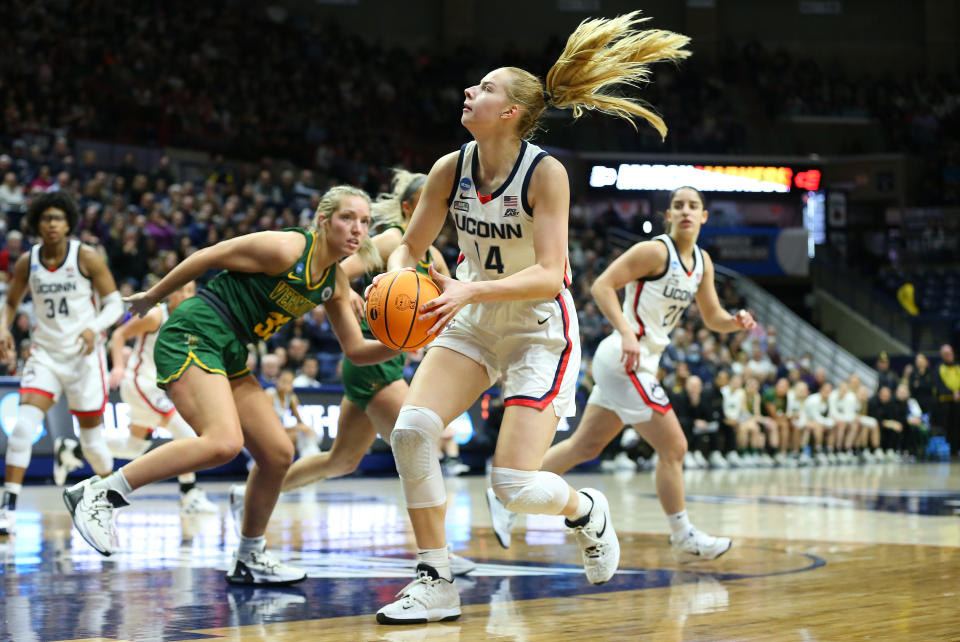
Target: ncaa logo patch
{"x": 465, "y": 184}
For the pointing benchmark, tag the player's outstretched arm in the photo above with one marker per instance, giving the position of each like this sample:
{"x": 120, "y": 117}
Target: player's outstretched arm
{"x": 361, "y": 351}
{"x": 266, "y": 252}
{"x": 714, "y": 316}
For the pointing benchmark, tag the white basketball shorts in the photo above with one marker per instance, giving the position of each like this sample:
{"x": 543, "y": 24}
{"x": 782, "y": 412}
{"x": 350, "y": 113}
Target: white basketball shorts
{"x": 633, "y": 396}
{"x": 81, "y": 377}
{"x": 533, "y": 346}
{"x": 149, "y": 406}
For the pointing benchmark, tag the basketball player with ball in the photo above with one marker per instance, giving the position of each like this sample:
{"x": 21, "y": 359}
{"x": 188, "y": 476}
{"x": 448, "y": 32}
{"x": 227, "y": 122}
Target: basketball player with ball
{"x": 512, "y": 315}
{"x": 268, "y": 279}
{"x": 372, "y": 394}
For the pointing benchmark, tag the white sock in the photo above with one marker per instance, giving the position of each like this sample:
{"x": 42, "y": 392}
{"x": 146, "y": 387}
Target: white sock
{"x": 438, "y": 558}
{"x": 252, "y": 544}
{"x": 187, "y": 478}
{"x": 116, "y": 482}
{"x": 679, "y": 523}
{"x": 584, "y": 506}
{"x": 14, "y": 489}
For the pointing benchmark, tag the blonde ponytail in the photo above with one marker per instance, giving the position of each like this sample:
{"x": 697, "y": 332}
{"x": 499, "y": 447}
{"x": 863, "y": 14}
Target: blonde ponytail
{"x": 329, "y": 203}
{"x": 388, "y": 208}
{"x": 601, "y": 54}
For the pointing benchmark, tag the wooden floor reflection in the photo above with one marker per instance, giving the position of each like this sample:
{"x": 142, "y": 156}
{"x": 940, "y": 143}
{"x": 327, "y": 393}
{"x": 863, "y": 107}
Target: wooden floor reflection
{"x": 825, "y": 554}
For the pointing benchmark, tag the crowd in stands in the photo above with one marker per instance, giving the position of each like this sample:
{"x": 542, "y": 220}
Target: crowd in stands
{"x": 315, "y": 94}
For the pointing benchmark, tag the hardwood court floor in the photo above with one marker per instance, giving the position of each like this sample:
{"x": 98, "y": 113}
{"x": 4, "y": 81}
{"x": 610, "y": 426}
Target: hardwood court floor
{"x": 822, "y": 554}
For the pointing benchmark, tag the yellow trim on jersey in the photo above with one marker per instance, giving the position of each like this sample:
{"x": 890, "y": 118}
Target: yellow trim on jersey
{"x": 237, "y": 375}
{"x": 313, "y": 244}
{"x": 191, "y": 357}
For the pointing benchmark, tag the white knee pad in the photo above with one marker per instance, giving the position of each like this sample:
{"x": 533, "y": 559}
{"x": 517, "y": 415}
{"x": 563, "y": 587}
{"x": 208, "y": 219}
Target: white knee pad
{"x": 179, "y": 428}
{"x": 414, "y": 441}
{"x": 530, "y": 491}
{"x": 95, "y": 450}
{"x": 20, "y": 443}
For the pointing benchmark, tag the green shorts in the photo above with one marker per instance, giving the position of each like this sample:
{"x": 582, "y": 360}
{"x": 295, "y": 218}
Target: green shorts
{"x": 195, "y": 335}
{"x": 361, "y": 383}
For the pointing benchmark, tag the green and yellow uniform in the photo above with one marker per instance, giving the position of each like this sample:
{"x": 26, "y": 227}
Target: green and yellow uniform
{"x": 212, "y": 329}
{"x": 361, "y": 383}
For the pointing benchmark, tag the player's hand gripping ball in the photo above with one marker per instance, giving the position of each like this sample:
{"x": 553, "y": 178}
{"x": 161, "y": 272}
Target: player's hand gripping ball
{"x": 393, "y": 305}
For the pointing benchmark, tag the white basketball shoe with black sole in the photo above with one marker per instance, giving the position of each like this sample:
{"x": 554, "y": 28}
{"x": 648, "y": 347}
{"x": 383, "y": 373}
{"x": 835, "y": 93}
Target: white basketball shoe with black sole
{"x": 94, "y": 513}
{"x": 501, "y": 518}
{"x": 598, "y": 541}
{"x": 429, "y": 598}
{"x": 64, "y": 459}
{"x": 697, "y": 546}
{"x": 262, "y": 568}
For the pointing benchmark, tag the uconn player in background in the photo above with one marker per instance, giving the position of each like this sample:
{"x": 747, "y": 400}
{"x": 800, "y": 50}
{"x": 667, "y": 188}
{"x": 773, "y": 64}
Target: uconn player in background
{"x": 662, "y": 278}
{"x": 75, "y": 300}
{"x": 150, "y": 407}
{"x": 514, "y": 317}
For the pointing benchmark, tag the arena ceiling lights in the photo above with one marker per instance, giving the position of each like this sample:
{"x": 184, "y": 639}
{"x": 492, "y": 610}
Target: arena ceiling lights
{"x": 708, "y": 178}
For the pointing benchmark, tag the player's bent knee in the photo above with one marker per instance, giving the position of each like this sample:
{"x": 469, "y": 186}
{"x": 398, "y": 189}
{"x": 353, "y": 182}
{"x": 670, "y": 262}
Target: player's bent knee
{"x": 414, "y": 439}
{"x": 223, "y": 452}
{"x": 530, "y": 491}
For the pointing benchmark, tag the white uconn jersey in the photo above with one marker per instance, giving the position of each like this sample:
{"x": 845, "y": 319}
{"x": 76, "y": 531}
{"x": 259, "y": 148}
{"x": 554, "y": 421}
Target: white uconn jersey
{"x": 64, "y": 301}
{"x": 496, "y": 234}
{"x": 653, "y": 306}
{"x": 141, "y": 363}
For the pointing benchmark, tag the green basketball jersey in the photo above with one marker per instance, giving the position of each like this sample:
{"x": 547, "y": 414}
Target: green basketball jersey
{"x": 260, "y": 304}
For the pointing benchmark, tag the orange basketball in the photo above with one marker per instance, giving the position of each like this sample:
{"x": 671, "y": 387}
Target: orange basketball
{"x": 393, "y": 305}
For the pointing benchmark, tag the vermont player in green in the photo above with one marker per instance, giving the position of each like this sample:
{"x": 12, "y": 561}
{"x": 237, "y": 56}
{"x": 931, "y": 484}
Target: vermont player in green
{"x": 372, "y": 395}
{"x": 269, "y": 278}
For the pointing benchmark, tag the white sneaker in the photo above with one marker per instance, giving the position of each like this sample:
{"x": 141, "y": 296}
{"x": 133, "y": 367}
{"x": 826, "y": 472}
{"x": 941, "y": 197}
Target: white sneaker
{"x": 623, "y": 461}
{"x": 64, "y": 461}
{"x": 867, "y": 457}
{"x": 460, "y": 565}
{"x": 93, "y": 512}
{"x": 195, "y": 501}
{"x": 821, "y": 459}
{"x": 8, "y": 521}
{"x": 689, "y": 463}
{"x": 429, "y": 598}
{"x": 700, "y": 459}
{"x": 261, "y": 567}
{"x": 699, "y": 546}
{"x": 629, "y": 438}
{"x": 891, "y": 456}
{"x": 453, "y": 467}
{"x": 766, "y": 460}
{"x": 237, "y": 494}
{"x": 734, "y": 460}
{"x": 501, "y": 518}
{"x": 717, "y": 461}
{"x": 598, "y": 541}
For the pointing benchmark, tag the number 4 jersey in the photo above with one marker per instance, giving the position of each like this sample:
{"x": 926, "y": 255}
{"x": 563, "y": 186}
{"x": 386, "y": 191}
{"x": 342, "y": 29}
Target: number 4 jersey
{"x": 495, "y": 231}
{"x": 654, "y": 305}
{"x": 64, "y": 301}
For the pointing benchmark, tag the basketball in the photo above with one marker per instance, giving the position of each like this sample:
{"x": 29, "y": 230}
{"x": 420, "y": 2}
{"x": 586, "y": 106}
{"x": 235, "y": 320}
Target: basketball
{"x": 393, "y": 305}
